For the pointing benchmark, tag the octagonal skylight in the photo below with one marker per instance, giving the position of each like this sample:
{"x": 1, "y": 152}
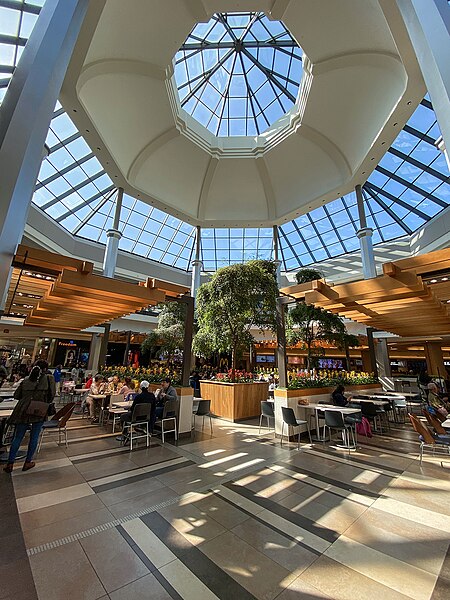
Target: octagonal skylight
{"x": 238, "y": 73}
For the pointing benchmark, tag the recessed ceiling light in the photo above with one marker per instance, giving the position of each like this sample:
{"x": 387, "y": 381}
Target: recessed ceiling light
{"x": 383, "y": 143}
{"x": 87, "y": 131}
{"x": 409, "y": 102}
{"x": 395, "y": 124}
{"x": 74, "y": 110}
{"x": 445, "y": 279}
{"x": 433, "y": 281}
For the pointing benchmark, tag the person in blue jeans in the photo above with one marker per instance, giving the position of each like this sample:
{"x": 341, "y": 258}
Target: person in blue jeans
{"x": 38, "y": 386}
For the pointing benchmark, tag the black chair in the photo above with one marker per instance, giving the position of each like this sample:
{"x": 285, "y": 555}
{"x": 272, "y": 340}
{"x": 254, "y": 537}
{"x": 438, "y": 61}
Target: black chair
{"x": 354, "y": 418}
{"x": 139, "y": 426}
{"x": 169, "y": 415}
{"x": 320, "y": 418}
{"x": 266, "y": 411}
{"x": 334, "y": 419}
{"x": 204, "y": 410}
{"x": 369, "y": 410}
{"x": 291, "y": 420}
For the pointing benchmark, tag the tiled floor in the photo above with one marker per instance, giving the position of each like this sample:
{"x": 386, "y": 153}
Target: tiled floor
{"x": 230, "y": 516}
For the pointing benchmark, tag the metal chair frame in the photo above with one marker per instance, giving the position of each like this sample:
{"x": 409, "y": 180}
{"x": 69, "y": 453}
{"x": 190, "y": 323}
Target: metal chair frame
{"x": 204, "y": 410}
{"x": 426, "y": 438}
{"x": 61, "y": 417}
{"x": 291, "y": 420}
{"x": 143, "y": 412}
{"x": 169, "y": 406}
{"x": 267, "y": 411}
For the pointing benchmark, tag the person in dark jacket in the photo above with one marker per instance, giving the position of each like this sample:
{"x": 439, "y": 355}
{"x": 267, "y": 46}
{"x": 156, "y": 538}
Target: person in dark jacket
{"x": 338, "y": 396}
{"x": 38, "y": 386}
{"x": 144, "y": 397}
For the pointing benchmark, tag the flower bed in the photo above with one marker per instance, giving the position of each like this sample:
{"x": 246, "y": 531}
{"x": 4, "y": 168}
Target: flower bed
{"x": 240, "y": 377}
{"x": 331, "y": 379}
{"x": 150, "y": 374}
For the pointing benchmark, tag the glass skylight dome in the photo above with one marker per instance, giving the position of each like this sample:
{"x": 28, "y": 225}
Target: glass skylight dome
{"x": 238, "y": 73}
{"x": 409, "y": 187}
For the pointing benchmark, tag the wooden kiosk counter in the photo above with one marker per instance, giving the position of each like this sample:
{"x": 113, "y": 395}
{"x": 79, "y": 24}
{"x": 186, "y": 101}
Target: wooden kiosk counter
{"x": 234, "y": 401}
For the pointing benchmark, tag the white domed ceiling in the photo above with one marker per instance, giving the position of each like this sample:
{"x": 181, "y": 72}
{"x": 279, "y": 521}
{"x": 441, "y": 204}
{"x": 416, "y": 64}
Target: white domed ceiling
{"x": 190, "y": 107}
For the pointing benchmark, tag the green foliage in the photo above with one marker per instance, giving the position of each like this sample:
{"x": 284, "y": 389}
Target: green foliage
{"x": 301, "y": 382}
{"x": 169, "y": 334}
{"x": 236, "y": 299}
{"x": 305, "y": 275}
{"x": 313, "y": 324}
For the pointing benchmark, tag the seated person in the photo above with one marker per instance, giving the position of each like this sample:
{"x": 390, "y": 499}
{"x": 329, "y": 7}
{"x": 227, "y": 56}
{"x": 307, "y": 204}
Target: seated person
{"x": 114, "y": 385}
{"x": 435, "y": 398}
{"x": 143, "y": 397}
{"x": 97, "y": 387}
{"x": 166, "y": 392}
{"x": 127, "y": 387}
{"x": 338, "y": 398}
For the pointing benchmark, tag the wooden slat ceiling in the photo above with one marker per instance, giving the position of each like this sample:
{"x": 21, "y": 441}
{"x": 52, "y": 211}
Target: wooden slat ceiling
{"x": 399, "y": 301}
{"x": 62, "y": 292}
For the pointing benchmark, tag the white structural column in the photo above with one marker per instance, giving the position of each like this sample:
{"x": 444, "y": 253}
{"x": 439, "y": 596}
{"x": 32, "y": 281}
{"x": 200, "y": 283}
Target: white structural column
{"x": 197, "y": 264}
{"x": 25, "y": 117}
{"x": 428, "y": 25}
{"x": 113, "y": 238}
{"x": 276, "y": 253}
{"x": 365, "y": 238}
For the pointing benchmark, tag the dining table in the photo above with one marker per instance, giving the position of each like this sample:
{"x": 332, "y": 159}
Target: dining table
{"x": 322, "y": 407}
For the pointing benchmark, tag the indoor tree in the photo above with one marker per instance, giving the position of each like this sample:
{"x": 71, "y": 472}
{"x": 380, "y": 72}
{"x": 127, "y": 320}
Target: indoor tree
{"x": 308, "y": 274}
{"x": 168, "y": 337}
{"x": 310, "y": 324}
{"x": 345, "y": 341}
{"x": 235, "y": 300}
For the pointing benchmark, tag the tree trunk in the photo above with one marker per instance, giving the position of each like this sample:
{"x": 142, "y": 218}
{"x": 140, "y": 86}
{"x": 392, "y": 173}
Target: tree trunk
{"x": 347, "y": 356}
{"x": 308, "y": 357}
{"x": 233, "y": 364}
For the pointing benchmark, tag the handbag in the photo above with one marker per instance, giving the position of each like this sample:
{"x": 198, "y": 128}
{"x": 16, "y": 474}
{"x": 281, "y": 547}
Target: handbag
{"x": 38, "y": 408}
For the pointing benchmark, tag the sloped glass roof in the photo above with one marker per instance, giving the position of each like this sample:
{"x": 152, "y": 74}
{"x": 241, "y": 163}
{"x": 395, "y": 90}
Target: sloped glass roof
{"x": 410, "y": 186}
{"x": 238, "y": 73}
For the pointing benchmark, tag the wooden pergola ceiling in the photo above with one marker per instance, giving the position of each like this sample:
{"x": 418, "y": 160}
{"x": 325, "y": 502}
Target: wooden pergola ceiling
{"x": 399, "y": 301}
{"x": 62, "y": 292}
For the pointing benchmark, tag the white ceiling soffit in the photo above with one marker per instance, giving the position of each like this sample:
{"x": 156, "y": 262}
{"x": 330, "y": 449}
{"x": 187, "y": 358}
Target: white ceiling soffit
{"x": 359, "y": 87}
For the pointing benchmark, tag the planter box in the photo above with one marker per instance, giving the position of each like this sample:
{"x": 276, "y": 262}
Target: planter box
{"x": 234, "y": 401}
{"x": 290, "y": 398}
{"x": 321, "y": 391}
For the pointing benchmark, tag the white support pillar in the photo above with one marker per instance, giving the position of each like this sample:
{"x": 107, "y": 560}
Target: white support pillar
{"x": 197, "y": 265}
{"x": 276, "y": 253}
{"x": 113, "y": 239}
{"x": 428, "y": 26}
{"x": 365, "y": 239}
{"x": 25, "y": 117}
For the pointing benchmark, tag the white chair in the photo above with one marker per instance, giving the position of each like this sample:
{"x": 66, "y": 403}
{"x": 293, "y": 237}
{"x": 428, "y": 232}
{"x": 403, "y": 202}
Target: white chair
{"x": 106, "y": 409}
{"x": 169, "y": 414}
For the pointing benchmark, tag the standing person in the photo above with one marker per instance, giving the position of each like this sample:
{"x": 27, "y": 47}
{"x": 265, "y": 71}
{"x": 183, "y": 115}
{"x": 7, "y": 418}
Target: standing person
{"x": 34, "y": 392}
{"x": 57, "y": 375}
{"x": 74, "y": 373}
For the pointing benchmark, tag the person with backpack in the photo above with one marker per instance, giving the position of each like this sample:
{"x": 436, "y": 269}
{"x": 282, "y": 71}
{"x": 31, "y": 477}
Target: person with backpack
{"x": 35, "y": 395}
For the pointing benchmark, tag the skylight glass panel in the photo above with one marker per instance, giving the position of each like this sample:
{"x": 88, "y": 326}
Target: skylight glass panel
{"x": 239, "y": 73}
{"x": 243, "y": 94}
